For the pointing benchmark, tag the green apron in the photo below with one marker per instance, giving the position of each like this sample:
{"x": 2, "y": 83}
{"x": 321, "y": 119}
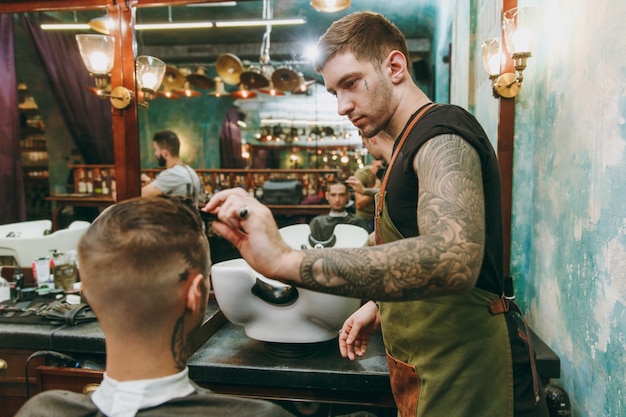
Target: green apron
{"x": 448, "y": 356}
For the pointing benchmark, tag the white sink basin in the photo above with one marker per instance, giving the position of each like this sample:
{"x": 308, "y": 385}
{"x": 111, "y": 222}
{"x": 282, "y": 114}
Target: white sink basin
{"x": 271, "y": 311}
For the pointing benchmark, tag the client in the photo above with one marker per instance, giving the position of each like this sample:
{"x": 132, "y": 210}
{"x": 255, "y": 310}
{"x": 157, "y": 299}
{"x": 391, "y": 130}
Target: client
{"x": 323, "y": 226}
{"x": 144, "y": 267}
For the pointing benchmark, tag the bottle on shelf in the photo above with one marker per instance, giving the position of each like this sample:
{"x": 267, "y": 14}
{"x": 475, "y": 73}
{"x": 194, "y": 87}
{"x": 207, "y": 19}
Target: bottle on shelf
{"x": 105, "y": 183}
{"x": 5, "y": 290}
{"x": 113, "y": 186}
{"x": 89, "y": 182}
{"x": 18, "y": 281}
{"x": 82, "y": 185}
{"x": 97, "y": 183}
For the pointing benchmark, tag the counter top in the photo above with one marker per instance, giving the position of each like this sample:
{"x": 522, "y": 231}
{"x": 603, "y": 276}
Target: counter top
{"x": 232, "y": 362}
{"x": 228, "y": 361}
{"x": 86, "y": 338}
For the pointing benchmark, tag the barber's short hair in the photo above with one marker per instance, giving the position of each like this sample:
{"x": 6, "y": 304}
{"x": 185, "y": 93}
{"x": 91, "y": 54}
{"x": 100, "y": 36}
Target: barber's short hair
{"x": 368, "y": 35}
{"x": 166, "y": 139}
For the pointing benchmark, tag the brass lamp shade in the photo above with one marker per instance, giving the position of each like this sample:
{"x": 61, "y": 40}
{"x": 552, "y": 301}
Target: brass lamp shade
{"x": 243, "y": 93}
{"x": 286, "y": 79}
{"x": 271, "y": 90}
{"x": 168, "y": 94}
{"x": 187, "y": 91}
{"x": 100, "y": 25}
{"x": 229, "y": 68}
{"x": 200, "y": 80}
{"x": 253, "y": 78}
{"x": 330, "y": 6}
{"x": 173, "y": 78}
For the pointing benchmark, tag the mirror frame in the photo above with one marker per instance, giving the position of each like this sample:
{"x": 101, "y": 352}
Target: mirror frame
{"x": 126, "y": 146}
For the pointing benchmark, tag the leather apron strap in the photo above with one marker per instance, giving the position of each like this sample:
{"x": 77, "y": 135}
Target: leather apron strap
{"x": 381, "y": 194}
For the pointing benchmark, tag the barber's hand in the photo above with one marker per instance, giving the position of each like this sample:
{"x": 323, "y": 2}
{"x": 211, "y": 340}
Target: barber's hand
{"x": 250, "y": 226}
{"x": 357, "y": 329}
{"x": 356, "y": 184}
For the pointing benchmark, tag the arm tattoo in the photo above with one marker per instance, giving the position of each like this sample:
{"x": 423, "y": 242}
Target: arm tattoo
{"x": 445, "y": 258}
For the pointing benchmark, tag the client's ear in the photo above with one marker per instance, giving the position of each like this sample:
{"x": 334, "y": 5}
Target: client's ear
{"x": 197, "y": 293}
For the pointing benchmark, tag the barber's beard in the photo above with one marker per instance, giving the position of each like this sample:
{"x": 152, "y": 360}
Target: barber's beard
{"x": 381, "y": 97}
{"x": 161, "y": 161}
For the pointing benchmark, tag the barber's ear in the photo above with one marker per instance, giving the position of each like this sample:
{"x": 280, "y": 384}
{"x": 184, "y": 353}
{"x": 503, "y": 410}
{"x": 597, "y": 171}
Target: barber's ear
{"x": 197, "y": 293}
{"x": 397, "y": 65}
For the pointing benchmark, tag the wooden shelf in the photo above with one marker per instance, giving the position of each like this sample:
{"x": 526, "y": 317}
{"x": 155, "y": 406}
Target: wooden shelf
{"x": 212, "y": 180}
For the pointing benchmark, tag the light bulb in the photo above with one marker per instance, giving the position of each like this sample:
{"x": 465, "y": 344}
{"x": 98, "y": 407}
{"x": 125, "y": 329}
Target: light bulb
{"x": 521, "y": 40}
{"x": 97, "y": 53}
{"x": 150, "y": 71}
{"x": 149, "y": 80}
{"x": 491, "y": 56}
{"x": 99, "y": 62}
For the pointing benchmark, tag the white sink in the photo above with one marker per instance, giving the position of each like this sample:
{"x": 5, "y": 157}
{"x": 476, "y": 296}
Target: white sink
{"x": 271, "y": 311}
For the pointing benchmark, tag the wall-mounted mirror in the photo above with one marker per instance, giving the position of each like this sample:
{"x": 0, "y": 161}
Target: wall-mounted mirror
{"x": 205, "y": 59}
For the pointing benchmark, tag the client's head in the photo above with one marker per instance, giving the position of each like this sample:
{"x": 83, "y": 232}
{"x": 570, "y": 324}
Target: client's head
{"x": 144, "y": 265}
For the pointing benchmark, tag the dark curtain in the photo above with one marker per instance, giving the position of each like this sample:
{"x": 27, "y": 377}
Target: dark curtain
{"x": 87, "y": 116}
{"x": 230, "y": 141}
{"x": 12, "y": 202}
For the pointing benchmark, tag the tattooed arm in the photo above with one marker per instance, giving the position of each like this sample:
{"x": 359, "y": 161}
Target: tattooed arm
{"x": 446, "y": 257}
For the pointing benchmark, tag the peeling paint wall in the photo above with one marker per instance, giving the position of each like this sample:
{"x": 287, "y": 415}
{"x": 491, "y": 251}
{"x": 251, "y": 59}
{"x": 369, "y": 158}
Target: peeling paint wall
{"x": 569, "y": 197}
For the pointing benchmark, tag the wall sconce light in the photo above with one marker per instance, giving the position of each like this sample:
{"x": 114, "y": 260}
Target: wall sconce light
{"x": 97, "y": 53}
{"x": 150, "y": 71}
{"x": 521, "y": 28}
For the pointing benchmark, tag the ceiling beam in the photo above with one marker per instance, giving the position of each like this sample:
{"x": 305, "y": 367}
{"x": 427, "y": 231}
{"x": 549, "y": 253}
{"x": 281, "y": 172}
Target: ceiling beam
{"x": 250, "y": 51}
{"x": 20, "y": 6}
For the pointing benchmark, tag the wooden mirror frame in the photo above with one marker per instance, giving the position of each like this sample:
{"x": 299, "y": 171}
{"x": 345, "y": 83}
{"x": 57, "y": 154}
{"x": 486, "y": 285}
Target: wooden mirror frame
{"x": 126, "y": 144}
{"x": 125, "y": 122}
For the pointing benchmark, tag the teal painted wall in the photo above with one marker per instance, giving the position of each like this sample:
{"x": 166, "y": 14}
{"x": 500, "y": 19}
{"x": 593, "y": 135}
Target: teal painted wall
{"x": 196, "y": 120}
{"x": 569, "y": 194}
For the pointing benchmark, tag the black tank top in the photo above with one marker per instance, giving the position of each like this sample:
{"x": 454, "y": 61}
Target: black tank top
{"x": 402, "y": 187}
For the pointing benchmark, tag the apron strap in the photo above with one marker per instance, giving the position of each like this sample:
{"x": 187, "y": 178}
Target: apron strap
{"x": 381, "y": 193}
{"x": 502, "y": 305}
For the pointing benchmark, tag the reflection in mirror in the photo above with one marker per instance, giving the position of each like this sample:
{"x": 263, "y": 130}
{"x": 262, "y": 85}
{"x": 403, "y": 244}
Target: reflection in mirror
{"x": 217, "y": 129}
